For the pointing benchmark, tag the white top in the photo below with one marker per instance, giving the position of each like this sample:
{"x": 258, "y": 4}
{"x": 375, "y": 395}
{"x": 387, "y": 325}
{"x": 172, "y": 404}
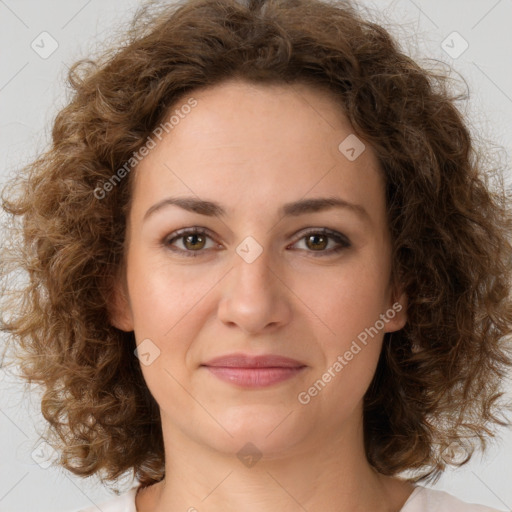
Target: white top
{"x": 422, "y": 499}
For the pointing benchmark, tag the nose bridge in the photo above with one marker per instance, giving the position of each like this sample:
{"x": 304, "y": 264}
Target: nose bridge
{"x": 253, "y": 297}
{"x": 253, "y": 260}
{"x": 260, "y": 276}
{"x": 252, "y": 279}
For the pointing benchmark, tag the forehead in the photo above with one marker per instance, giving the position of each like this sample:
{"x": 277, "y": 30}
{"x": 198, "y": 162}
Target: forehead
{"x": 252, "y": 144}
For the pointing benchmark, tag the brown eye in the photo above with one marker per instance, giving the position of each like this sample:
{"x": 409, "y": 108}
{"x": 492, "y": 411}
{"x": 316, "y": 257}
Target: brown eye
{"x": 317, "y": 241}
{"x": 192, "y": 241}
{"x": 195, "y": 241}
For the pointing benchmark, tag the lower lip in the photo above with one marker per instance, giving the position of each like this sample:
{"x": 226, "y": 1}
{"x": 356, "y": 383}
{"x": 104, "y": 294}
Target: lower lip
{"x": 254, "y": 377}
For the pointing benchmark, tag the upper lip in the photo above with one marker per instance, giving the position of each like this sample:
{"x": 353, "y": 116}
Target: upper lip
{"x": 247, "y": 361}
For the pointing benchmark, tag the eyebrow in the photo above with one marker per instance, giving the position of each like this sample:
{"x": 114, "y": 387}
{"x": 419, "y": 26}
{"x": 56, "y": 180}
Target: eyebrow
{"x": 294, "y": 209}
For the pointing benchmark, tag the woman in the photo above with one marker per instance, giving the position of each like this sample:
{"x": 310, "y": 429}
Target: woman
{"x": 266, "y": 269}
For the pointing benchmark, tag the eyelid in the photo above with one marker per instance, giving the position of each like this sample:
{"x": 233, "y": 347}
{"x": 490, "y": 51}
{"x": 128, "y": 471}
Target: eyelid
{"x": 342, "y": 240}
{"x": 325, "y": 231}
{"x": 181, "y": 233}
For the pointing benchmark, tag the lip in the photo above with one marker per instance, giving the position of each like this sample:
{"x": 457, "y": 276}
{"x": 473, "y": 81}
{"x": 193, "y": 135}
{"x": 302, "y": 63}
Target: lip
{"x": 254, "y": 371}
{"x": 240, "y": 360}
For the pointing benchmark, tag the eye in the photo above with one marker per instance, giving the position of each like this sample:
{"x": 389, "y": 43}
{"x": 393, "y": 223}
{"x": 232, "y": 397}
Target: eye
{"x": 194, "y": 240}
{"x": 318, "y": 239}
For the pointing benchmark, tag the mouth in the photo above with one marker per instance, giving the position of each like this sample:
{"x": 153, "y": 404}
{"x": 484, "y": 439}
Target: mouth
{"x": 254, "y": 371}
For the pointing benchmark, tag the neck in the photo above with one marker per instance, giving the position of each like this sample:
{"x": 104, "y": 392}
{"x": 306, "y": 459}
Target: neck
{"x": 314, "y": 477}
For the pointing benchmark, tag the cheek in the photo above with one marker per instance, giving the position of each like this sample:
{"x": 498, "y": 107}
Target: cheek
{"x": 343, "y": 383}
{"x": 163, "y": 295}
{"x": 349, "y": 304}
{"x": 353, "y": 347}
{"x": 347, "y": 299}
{"x": 168, "y": 310}
{"x": 350, "y": 350}
{"x": 164, "y": 313}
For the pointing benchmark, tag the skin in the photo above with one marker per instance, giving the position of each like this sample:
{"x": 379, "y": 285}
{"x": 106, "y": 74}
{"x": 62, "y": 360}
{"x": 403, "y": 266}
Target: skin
{"x": 253, "y": 148}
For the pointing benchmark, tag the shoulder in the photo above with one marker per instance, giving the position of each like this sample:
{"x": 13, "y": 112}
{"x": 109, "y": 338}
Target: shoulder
{"x": 123, "y": 503}
{"x": 424, "y": 499}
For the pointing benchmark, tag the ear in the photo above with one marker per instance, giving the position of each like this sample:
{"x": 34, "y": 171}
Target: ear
{"x": 396, "y": 312}
{"x": 119, "y": 308}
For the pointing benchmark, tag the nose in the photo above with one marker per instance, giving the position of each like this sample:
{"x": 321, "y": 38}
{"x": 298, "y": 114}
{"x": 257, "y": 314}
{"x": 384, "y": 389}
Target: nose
{"x": 255, "y": 297}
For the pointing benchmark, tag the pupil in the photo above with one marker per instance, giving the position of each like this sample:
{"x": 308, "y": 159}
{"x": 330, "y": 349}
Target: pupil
{"x": 189, "y": 239}
{"x": 315, "y": 237}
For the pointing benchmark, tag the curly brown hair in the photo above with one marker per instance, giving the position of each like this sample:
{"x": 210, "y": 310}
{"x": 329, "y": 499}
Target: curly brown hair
{"x": 438, "y": 379}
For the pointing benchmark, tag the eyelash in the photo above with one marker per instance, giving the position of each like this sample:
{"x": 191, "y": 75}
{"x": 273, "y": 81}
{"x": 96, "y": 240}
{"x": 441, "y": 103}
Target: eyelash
{"x": 180, "y": 234}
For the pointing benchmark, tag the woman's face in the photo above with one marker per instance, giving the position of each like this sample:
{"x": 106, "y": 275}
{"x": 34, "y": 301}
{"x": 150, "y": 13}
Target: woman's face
{"x": 263, "y": 278}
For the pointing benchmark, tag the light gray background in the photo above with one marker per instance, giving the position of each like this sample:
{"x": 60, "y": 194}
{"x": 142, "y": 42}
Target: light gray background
{"x": 32, "y": 91}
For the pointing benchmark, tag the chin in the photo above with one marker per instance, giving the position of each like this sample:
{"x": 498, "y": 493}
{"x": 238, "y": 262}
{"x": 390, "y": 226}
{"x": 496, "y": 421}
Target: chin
{"x": 272, "y": 430}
